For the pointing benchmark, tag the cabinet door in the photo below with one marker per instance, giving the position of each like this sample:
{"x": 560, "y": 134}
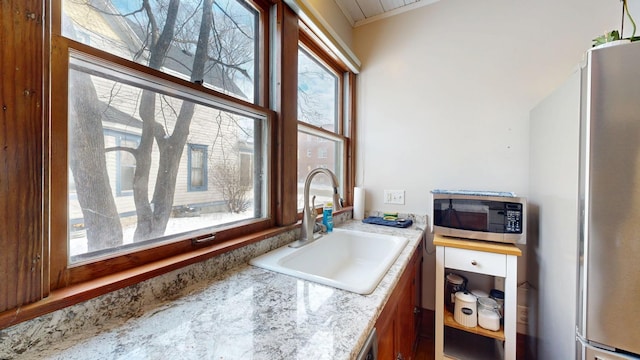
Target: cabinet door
{"x": 408, "y": 302}
{"x": 396, "y": 325}
{"x": 385, "y": 327}
{"x": 405, "y": 321}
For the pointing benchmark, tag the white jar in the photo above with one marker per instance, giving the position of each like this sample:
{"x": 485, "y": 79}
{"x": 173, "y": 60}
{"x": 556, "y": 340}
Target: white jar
{"x": 489, "y": 319}
{"x": 479, "y": 293}
{"x": 465, "y": 309}
{"x": 488, "y": 314}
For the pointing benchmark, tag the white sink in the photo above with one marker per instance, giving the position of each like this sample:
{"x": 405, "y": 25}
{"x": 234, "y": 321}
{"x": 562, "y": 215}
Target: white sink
{"x": 346, "y": 259}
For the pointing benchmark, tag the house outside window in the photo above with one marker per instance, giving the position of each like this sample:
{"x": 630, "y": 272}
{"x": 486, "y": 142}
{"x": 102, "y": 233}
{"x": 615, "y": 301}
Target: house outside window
{"x": 125, "y": 162}
{"x": 198, "y": 174}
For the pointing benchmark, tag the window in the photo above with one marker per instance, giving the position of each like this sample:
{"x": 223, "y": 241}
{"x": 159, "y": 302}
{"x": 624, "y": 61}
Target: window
{"x": 156, "y": 151}
{"x": 124, "y": 162}
{"x": 197, "y": 168}
{"x": 125, "y": 116}
{"x": 125, "y": 27}
{"x": 320, "y": 128}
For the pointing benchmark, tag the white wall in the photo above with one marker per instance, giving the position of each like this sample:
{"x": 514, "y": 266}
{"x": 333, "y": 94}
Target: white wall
{"x": 445, "y": 93}
{"x": 331, "y": 13}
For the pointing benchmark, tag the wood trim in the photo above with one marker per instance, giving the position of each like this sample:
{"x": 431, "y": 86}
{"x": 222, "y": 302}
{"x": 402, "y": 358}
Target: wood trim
{"x": 21, "y": 144}
{"x": 77, "y": 293}
{"x": 138, "y": 258}
{"x": 57, "y": 162}
{"x": 264, "y": 52}
{"x": 159, "y": 75}
{"x": 46, "y": 146}
{"x": 315, "y": 45}
{"x": 352, "y": 134}
{"x": 286, "y": 105}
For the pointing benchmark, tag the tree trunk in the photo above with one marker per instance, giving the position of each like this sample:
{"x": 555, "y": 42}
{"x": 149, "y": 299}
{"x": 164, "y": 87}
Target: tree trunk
{"x": 88, "y": 165}
{"x": 152, "y": 220}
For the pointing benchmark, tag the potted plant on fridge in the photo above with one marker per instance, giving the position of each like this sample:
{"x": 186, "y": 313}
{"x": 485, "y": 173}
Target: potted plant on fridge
{"x": 614, "y": 37}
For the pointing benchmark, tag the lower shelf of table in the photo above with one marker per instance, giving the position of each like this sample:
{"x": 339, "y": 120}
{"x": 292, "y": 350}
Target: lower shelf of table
{"x": 450, "y": 322}
{"x": 462, "y": 345}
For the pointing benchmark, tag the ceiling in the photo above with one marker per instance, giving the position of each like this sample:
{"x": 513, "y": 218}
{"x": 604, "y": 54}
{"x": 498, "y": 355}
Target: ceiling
{"x": 360, "y": 12}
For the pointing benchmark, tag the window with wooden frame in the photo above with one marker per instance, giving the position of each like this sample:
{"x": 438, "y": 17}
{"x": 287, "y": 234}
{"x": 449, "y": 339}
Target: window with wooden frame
{"x": 120, "y": 90}
{"x": 323, "y": 119}
{"x": 169, "y": 74}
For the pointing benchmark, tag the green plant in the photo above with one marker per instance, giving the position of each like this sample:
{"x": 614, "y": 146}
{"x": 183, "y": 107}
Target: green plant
{"x": 614, "y": 34}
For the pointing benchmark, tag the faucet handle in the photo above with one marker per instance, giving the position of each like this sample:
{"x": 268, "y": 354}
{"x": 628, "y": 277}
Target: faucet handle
{"x": 319, "y": 227}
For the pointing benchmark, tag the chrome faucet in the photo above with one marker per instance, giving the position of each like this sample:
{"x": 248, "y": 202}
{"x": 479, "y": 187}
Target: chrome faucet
{"x": 309, "y": 224}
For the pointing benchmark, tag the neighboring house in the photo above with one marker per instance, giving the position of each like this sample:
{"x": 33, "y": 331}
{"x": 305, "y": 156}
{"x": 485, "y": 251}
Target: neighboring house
{"x": 122, "y": 125}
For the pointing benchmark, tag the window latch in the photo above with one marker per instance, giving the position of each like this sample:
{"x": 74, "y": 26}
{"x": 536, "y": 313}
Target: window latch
{"x": 204, "y": 239}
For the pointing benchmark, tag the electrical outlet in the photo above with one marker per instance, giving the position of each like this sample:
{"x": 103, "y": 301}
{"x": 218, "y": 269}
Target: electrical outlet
{"x": 523, "y": 315}
{"x": 394, "y": 197}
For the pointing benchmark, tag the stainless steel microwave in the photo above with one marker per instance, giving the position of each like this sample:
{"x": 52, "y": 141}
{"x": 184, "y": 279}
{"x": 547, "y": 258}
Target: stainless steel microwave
{"x": 489, "y": 216}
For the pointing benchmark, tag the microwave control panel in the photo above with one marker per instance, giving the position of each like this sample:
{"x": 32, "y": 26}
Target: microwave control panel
{"x": 514, "y": 218}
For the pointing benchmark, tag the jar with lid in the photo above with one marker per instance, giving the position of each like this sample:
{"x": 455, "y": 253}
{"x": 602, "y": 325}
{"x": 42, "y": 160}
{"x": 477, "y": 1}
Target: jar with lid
{"x": 498, "y": 296}
{"x": 453, "y": 284}
{"x": 488, "y": 315}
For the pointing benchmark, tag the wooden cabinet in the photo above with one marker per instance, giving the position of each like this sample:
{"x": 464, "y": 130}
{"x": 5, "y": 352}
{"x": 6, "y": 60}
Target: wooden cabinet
{"x": 398, "y": 323}
{"x": 454, "y": 341}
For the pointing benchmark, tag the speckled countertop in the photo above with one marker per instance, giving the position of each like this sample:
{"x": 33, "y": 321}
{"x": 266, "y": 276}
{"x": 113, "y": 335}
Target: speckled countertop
{"x": 243, "y": 313}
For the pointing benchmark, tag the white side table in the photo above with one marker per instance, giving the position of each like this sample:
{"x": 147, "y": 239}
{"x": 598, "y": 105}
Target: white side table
{"x": 488, "y": 258}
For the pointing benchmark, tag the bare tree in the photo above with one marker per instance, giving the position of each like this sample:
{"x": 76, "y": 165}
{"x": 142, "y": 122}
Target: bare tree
{"x": 163, "y": 27}
{"x": 235, "y": 187}
{"x": 152, "y": 220}
{"x": 88, "y": 166}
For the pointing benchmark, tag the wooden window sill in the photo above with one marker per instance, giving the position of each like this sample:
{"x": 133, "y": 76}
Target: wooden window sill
{"x": 74, "y": 294}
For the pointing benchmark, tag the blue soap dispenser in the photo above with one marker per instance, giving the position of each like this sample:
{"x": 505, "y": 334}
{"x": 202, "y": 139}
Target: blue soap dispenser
{"x": 327, "y": 216}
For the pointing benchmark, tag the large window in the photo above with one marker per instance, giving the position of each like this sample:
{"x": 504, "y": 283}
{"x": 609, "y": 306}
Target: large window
{"x": 164, "y": 140}
{"x": 158, "y": 146}
{"x": 320, "y": 123}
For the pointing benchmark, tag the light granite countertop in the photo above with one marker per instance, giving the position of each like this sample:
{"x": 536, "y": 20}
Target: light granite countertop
{"x": 243, "y": 313}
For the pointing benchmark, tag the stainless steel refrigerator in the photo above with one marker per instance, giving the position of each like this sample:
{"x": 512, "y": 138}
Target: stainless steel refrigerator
{"x": 608, "y": 317}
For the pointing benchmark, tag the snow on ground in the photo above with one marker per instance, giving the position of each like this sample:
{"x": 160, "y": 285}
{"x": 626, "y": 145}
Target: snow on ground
{"x": 78, "y": 239}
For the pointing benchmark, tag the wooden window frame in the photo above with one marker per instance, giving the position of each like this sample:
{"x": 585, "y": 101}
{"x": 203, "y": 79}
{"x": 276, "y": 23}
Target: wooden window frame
{"x": 39, "y": 272}
{"x": 345, "y": 98}
{"x": 62, "y": 274}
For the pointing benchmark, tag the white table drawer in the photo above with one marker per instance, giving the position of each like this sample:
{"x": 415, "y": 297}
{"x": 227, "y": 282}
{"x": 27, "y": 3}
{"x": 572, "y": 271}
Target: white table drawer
{"x": 475, "y": 261}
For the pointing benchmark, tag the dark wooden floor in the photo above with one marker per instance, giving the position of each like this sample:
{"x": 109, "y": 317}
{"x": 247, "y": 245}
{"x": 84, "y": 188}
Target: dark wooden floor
{"x": 426, "y": 336}
{"x": 426, "y": 339}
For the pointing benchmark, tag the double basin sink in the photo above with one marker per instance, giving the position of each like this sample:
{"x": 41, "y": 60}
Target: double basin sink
{"x": 351, "y": 260}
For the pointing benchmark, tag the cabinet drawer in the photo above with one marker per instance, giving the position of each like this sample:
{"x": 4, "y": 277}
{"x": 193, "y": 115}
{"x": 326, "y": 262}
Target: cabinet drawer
{"x": 476, "y": 261}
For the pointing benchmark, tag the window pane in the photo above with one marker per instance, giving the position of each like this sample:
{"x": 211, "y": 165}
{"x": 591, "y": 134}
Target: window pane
{"x": 197, "y": 167}
{"x": 321, "y": 184}
{"x": 220, "y": 52}
{"x": 154, "y": 130}
{"x": 317, "y": 93}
